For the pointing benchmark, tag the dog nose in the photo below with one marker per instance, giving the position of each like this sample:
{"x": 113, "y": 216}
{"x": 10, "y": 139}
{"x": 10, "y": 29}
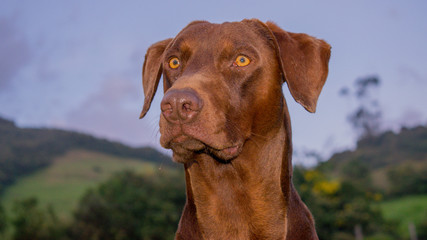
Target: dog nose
{"x": 181, "y": 105}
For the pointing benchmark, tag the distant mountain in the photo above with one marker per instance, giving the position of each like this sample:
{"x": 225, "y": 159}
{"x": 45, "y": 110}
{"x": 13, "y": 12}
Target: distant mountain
{"x": 387, "y": 149}
{"x": 25, "y": 150}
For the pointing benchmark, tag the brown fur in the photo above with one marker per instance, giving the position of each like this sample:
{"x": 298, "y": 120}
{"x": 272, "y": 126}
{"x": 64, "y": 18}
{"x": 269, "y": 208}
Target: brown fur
{"x": 236, "y": 148}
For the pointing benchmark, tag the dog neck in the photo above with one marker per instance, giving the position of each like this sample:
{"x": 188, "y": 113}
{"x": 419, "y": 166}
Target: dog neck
{"x": 245, "y": 198}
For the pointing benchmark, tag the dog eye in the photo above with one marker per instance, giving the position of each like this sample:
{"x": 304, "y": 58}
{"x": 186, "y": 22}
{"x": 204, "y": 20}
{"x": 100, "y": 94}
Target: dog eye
{"x": 242, "y": 61}
{"x": 174, "y": 63}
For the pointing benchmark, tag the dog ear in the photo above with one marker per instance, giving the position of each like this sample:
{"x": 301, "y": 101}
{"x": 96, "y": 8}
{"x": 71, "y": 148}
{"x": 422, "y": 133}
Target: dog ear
{"x": 151, "y": 72}
{"x": 304, "y": 62}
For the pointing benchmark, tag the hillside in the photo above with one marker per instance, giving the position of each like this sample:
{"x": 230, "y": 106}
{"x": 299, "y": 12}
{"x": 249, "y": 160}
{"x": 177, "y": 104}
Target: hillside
{"x": 384, "y": 160}
{"x": 63, "y": 183}
{"x": 25, "y": 150}
{"x": 387, "y": 149}
{"x": 405, "y": 210}
{"x": 381, "y": 185}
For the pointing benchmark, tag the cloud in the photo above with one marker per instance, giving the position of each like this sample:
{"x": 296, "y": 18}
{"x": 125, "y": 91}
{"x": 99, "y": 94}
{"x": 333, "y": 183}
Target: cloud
{"x": 113, "y": 113}
{"x": 15, "y": 52}
{"x": 411, "y": 118}
{"x": 410, "y": 74}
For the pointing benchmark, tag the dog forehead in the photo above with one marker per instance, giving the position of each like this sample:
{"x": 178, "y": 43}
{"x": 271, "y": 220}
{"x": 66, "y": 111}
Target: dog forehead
{"x": 214, "y": 35}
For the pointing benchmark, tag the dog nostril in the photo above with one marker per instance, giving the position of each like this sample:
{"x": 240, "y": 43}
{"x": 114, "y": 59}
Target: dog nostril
{"x": 186, "y": 107}
{"x": 166, "y": 108}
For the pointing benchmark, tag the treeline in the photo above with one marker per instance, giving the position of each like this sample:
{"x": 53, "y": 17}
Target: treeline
{"x": 148, "y": 207}
{"x": 386, "y": 149}
{"x": 345, "y": 192}
{"x": 24, "y": 150}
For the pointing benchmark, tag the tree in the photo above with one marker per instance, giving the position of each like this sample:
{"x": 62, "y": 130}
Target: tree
{"x": 3, "y": 220}
{"x": 406, "y": 179}
{"x": 32, "y": 222}
{"x": 130, "y": 206}
{"x": 422, "y": 228}
{"x": 366, "y": 118}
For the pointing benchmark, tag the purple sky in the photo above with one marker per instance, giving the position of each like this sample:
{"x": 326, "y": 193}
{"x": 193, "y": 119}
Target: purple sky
{"x": 77, "y": 64}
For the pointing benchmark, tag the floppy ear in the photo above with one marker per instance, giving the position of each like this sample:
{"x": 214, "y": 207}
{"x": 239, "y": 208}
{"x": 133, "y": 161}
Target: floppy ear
{"x": 151, "y": 72}
{"x": 304, "y": 62}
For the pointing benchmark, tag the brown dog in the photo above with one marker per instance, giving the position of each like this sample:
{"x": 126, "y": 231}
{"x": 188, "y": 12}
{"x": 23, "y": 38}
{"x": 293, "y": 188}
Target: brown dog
{"x": 225, "y": 118}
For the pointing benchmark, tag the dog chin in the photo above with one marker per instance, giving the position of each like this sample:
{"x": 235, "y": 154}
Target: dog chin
{"x": 186, "y": 149}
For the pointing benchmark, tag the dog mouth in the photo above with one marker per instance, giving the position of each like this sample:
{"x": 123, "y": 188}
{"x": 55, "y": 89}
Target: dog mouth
{"x": 182, "y": 145}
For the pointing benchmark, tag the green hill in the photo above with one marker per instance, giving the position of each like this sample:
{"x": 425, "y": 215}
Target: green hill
{"x": 63, "y": 183}
{"x": 26, "y": 150}
{"x": 380, "y": 186}
{"x": 58, "y": 167}
{"x": 405, "y": 210}
{"x": 387, "y": 149}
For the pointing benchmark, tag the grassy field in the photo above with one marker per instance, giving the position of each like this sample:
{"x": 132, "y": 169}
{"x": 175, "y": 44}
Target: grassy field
{"x": 405, "y": 210}
{"x": 64, "y": 182}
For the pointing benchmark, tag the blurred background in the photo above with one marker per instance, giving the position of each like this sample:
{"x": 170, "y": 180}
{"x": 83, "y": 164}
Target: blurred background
{"x": 76, "y": 163}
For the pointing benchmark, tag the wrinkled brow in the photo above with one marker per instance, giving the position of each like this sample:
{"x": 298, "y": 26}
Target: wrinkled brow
{"x": 178, "y": 46}
{"x": 231, "y": 48}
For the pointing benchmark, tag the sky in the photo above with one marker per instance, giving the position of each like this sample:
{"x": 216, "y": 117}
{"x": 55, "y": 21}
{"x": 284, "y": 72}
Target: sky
{"x": 77, "y": 64}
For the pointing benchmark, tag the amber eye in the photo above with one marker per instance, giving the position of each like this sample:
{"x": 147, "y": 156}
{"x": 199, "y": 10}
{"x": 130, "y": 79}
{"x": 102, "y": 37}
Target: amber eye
{"x": 174, "y": 62}
{"x": 242, "y": 61}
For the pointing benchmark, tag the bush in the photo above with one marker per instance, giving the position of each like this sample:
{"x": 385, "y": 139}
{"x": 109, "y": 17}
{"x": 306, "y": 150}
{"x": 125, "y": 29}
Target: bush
{"x": 32, "y": 222}
{"x": 422, "y": 228}
{"x": 407, "y": 180}
{"x": 130, "y": 206}
{"x": 3, "y": 220}
{"x": 338, "y": 206}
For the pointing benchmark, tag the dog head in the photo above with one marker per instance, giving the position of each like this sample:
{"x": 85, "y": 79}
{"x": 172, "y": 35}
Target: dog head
{"x": 222, "y": 83}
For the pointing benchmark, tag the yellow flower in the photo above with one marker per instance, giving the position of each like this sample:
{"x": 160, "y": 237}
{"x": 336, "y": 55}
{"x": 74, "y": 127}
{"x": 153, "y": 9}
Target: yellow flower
{"x": 327, "y": 187}
{"x": 310, "y": 175}
{"x": 378, "y": 197}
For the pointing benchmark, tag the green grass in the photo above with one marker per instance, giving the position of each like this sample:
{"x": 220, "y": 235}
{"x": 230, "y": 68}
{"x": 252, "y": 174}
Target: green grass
{"x": 405, "y": 210}
{"x": 62, "y": 184}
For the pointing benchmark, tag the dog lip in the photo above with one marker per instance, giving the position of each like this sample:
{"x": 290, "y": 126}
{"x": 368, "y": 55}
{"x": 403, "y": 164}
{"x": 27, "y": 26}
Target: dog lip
{"x": 226, "y": 154}
{"x": 186, "y": 142}
{"x": 182, "y": 141}
{"x": 231, "y": 150}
